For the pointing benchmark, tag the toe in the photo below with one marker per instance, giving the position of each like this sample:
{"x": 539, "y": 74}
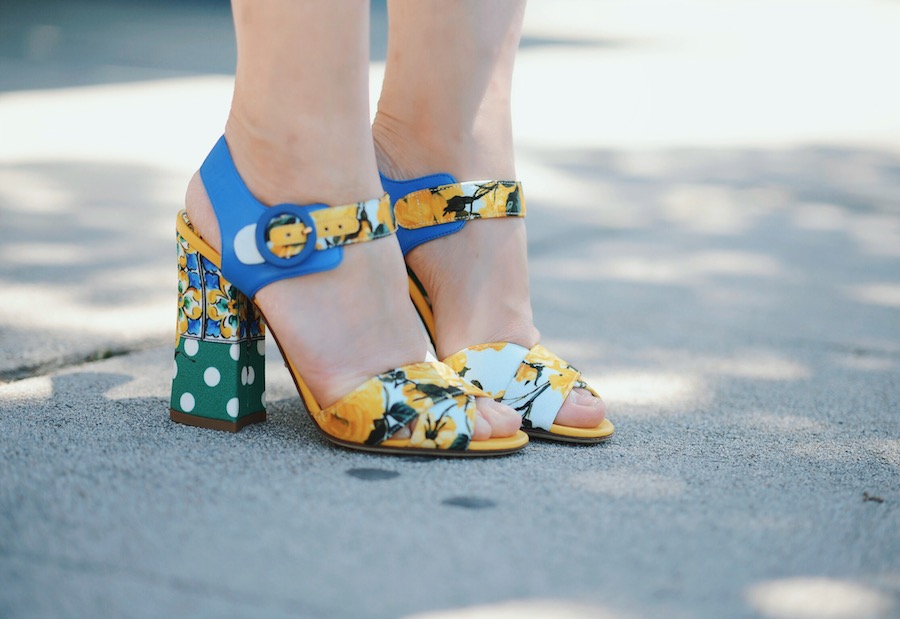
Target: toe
{"x": 503, "y": 420}
{"x": 482, "y": 430}
{"x": 404, "y": 432}
{"x": 582, "y": 409}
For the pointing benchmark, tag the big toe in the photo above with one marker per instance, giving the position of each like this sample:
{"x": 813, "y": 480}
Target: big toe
{"x": 582, "y": 409}
{"x": 494, "y": 420}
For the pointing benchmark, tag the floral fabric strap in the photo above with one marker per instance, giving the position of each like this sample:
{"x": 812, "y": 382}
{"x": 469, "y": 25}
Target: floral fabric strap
{"x": 534, "y": 382}
{"x": 372, "y": 413}
{"x": 460, "y": 202}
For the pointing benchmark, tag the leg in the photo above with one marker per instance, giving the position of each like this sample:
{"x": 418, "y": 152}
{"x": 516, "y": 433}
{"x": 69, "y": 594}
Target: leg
{"x": 300, "y": 134}
{"x": 445, "y": 107}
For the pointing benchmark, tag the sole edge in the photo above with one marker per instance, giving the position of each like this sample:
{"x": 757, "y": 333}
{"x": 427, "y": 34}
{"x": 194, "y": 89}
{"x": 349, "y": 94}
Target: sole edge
{"x": 216, "y": 424}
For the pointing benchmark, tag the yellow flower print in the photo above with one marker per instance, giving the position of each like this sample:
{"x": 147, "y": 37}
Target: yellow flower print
{"x": 526, "y": 373}
{"x": 457, "y": 202}
{"x": 508, "y": 199}
{"x": 351, "y": 418}
{"x": 560, "y": 382}
{"x": 446, "y": 374}
{"x": 385, "y": 212}
{"x": 191, "y": 305}
{"x": 493, "y": 203}
{"x": 423, "y": 372}
{"x": 365, "y": 229}
{"x": 183, "y": 281}
{"x": 541, "y": 356}
{"x": 498, "y": 346}
{"x": 432, "y": 383}
{"x": 457, "y": 362}
{"x": 427, "y": 207}
{"x": 223, "y": 309}
{"x": 419, "y": 401}
{"x": 434, "y": 433}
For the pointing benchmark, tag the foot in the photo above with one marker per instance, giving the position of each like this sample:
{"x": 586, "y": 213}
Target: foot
{"x": 473, "y": 304}
{"x": 334, "y": 346}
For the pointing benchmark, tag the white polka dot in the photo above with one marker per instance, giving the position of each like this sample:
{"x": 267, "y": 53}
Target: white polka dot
{"x": 191, "y": 347}
{"x": 244, "y": 375}
{"x": 262, "y": 399}
{"x": 232, "y": 407}
{"x": 211, "y": 377}
{"x": 174, "y": 370}
{"x": 187, "y": 402}
{"x": 251, "y": 375}
{"x": 261, "y": 347}
{"x": 235, "y": 351}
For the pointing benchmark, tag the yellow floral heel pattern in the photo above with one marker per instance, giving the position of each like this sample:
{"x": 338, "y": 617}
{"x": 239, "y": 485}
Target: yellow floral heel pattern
{"x": 428, "y": 392}
{"x": 460, "y": 202}
{"x": 534, "y": 382}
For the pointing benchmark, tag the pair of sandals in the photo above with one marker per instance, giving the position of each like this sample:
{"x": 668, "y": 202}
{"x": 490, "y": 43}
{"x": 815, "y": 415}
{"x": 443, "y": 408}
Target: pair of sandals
{"x": 219, "y": 371}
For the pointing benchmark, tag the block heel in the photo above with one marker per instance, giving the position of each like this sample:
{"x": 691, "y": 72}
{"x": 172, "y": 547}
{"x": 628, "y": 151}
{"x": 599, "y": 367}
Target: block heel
{"x": 219, "y": 370}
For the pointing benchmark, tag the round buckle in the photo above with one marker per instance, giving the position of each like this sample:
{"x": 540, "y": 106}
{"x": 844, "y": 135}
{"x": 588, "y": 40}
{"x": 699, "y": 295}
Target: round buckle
{"x": 286, "y": 234}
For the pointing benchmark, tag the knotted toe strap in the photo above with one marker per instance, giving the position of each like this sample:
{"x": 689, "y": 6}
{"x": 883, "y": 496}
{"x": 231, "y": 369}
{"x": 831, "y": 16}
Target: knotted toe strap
{"x": 534, "y": 382}
{"x": 443, "y": 403}
{"x": 460, "y": 202}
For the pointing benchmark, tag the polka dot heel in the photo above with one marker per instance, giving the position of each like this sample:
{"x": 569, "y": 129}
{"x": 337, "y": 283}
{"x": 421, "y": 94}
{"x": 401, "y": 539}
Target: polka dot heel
{"x": 219, "y": 370}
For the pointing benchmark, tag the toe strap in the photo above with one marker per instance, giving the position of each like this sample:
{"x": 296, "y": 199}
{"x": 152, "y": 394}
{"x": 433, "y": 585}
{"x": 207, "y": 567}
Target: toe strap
{"x": 534, "y": 382}
{"x": 429, "y": 391}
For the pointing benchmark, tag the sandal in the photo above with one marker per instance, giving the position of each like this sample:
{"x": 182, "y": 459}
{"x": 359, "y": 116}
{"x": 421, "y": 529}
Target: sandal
{"x": 534, "y": 382}
{"x": 219, "y": 377}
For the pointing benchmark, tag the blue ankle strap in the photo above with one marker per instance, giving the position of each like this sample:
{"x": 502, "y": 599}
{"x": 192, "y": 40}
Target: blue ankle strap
{"x": 247, "y": 261}
{"x": 410, "y": 239}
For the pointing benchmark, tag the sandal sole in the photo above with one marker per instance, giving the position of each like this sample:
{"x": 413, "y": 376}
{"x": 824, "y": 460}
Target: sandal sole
{"x": 216, "y": 424}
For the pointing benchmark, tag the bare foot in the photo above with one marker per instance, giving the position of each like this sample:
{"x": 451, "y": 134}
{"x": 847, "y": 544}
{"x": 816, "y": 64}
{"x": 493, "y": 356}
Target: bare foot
{"x": 342, "y": 327}
{"x": 473, "y": 304}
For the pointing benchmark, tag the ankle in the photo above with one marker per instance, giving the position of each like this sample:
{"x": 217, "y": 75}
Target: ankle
{"x": 487, "y": 305}
{"x": 304, "y": 162}
{"x": 408, "y": 148}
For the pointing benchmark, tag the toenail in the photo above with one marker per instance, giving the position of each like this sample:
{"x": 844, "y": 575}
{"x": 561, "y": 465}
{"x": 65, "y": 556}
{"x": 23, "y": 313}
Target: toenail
{"x": 587, "y": 399}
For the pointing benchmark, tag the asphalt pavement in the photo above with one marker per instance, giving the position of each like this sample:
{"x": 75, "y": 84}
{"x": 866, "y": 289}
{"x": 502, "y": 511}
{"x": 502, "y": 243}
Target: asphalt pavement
{"x": 714, "y": 236}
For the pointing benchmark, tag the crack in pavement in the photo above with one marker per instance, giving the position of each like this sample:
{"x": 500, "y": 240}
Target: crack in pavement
{"x": 43, "y": 368}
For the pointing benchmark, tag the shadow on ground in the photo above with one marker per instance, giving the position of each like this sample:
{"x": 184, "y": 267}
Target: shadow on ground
{"x": 740, "y": 320}
{"x": 737, "y": 308}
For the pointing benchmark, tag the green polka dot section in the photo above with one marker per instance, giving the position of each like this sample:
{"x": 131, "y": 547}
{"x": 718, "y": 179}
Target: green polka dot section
{"x": 219, "y": 380}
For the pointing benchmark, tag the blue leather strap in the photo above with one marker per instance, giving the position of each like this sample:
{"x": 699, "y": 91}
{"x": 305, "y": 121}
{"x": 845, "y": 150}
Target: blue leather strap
{"x": 410, "y": 239}
{"x": 240, "y": 215}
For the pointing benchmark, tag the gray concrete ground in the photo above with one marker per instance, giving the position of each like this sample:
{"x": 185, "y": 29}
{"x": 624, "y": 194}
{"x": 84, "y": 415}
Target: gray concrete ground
{"x": 715, "y": 238}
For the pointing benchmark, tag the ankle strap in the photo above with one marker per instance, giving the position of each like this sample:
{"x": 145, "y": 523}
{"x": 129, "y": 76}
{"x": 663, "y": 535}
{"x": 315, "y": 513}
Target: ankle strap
{"x": 460, "y": 202}
{"x": 261, "y": 244}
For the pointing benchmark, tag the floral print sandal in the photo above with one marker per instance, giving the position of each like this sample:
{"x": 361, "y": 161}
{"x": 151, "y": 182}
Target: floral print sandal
{"x": 534, "y": 382}
{"x": 219, "y": 379}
